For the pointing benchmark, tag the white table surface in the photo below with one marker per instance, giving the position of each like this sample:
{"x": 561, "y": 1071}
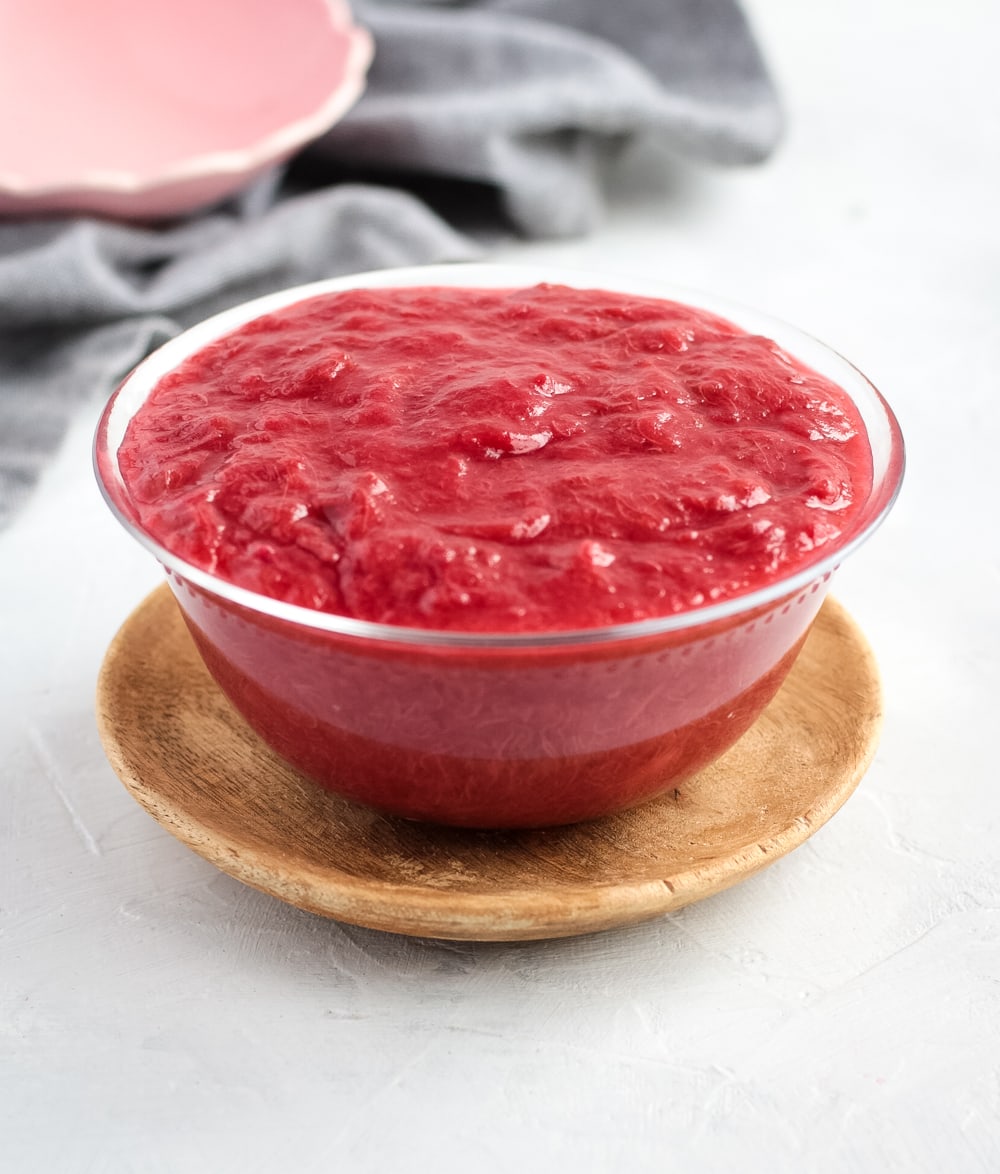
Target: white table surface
{"x": 839, "y": 1012}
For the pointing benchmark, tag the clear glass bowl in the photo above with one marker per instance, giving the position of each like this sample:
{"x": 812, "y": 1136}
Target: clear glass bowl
{"x": 501, "y": 730}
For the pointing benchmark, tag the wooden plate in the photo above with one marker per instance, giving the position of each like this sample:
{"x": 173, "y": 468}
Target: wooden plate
{"x": 190, "y": 760}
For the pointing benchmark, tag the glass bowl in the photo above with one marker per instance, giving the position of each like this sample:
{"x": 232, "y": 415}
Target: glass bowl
{"x": 501, "y": 730}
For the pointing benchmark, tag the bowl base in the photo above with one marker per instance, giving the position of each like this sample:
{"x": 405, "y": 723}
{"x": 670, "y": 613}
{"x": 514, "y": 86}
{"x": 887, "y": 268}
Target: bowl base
{"x": 189, "y": 759}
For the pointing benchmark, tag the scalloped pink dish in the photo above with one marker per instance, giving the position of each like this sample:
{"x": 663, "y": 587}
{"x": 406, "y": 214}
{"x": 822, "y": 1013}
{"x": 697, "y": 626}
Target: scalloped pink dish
{"x": 155, "y": 109}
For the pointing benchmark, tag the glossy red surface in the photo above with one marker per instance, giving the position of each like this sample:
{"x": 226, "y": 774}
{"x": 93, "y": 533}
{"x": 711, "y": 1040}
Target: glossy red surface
{"x": 496, "y": 460}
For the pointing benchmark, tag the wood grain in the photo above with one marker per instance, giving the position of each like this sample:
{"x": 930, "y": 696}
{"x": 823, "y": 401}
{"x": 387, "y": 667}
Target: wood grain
{"x": 190, "y": 760}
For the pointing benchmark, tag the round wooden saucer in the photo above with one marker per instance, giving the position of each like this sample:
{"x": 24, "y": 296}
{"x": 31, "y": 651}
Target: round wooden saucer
{"x": 190, "y": 760}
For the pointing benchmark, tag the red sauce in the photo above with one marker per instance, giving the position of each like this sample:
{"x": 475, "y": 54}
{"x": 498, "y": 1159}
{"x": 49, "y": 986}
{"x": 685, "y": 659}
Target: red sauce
{"x": 496, "y": 460}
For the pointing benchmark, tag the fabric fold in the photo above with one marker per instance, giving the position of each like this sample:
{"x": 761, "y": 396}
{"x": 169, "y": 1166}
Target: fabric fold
{"x": 485, "y": 91}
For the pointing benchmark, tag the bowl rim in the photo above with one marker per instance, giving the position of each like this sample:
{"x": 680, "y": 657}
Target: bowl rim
{"x": 880, "y": 421}
{"x": 274, "y": 146}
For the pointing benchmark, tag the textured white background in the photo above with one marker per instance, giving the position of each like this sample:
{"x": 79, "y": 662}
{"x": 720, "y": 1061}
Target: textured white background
{"x": 840, "y": 1012}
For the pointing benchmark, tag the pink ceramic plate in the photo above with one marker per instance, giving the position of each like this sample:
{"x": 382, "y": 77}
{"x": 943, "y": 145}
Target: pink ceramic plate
{"x": 157, "y": 108}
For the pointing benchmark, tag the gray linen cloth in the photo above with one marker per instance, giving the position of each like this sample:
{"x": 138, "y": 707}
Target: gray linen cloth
{"x": 521, "y": 98}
